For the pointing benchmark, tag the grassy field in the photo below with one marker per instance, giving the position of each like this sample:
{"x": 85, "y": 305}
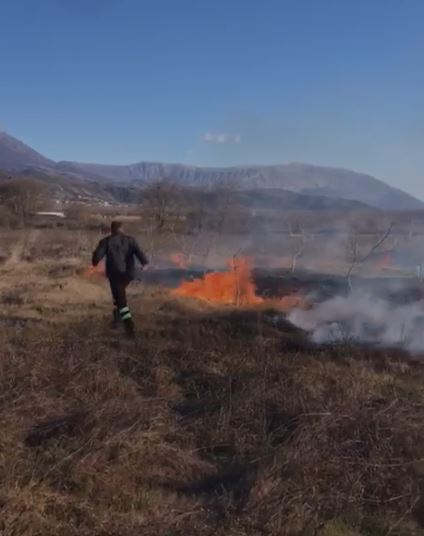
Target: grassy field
{"x": 212, "y": 422}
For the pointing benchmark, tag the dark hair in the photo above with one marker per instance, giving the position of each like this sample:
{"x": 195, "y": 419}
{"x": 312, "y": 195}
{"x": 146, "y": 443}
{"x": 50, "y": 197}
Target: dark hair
{"x": 115, "y": 227}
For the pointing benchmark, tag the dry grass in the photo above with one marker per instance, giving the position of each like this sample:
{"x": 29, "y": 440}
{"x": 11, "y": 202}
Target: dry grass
{"x": 211, "y": 422}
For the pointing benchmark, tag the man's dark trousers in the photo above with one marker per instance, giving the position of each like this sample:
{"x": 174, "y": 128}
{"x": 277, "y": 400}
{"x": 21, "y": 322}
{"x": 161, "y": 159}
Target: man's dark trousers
{"x": 118, "y": 286}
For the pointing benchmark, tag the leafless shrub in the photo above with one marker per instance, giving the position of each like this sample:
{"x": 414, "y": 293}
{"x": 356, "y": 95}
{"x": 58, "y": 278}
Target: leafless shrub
{"x": 22, "y": 197}
{"x": 161, "y": 202}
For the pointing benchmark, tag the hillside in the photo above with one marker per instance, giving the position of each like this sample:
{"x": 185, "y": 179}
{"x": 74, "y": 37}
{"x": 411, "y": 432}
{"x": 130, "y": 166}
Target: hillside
{"x": 16, "y": 156}
{"x": 281, "y": 199}
{"x": 300, "y": 178}
{"x": 303, "y": 179}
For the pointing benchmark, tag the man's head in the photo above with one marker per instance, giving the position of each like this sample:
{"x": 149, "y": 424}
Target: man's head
{"x": 116, "y": 227}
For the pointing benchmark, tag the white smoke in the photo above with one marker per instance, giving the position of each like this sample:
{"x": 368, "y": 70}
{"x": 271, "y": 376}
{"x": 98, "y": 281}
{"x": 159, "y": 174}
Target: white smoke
{"x": 362, "y": 317}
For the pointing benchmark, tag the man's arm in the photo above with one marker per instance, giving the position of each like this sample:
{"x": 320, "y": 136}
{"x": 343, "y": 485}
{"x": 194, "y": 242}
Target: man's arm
{"x": 99, "y": 252}
{"x": 139, "y": 253}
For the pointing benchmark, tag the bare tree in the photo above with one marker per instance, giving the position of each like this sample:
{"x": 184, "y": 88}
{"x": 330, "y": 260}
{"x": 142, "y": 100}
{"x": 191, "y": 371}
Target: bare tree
{"x": 164, "y": 206}
{"x": 223, "y": 196}
{"x": 358, "y": 252}
{"x": 298, "y": 241}
{"x": 189, "y": 246}
{"x": 217, "y": 211}
{"x": 161, "y": 202}
{"x": 297, "y": 250}
{"x": 191, "y": 218}
{"x": 411, "y": 231}
{"x": 196, "y": 217}
{"x": 22, "y": 197}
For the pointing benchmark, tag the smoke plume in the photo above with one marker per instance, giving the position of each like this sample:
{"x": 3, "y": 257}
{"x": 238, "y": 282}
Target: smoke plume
{"x": 365, "y": 318}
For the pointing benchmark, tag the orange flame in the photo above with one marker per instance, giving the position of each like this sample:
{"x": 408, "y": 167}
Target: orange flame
{"x": 234, "y": 287}
{"x": 386, "y": 261}
{"x": 180, "y": 260}
{"x": 93, "y": 271}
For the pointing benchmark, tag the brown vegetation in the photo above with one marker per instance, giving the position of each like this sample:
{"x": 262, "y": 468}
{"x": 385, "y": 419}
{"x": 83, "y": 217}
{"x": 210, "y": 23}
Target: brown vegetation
{"x": 22, "y": 197}
{"x": 213, "y": 422}
{"x": 162, "y": 202}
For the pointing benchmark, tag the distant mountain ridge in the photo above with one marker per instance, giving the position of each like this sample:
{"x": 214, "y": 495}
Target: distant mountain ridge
{"x": 304, "y": 179}
{"x": 299, "y": 178}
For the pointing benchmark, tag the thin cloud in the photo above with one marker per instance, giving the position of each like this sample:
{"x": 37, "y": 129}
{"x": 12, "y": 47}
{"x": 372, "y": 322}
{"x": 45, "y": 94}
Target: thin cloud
{"x": 221, "y": 137}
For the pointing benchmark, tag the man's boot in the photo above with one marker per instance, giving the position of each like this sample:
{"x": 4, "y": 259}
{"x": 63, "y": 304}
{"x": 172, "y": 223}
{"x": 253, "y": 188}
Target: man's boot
{"x": 126, "y": 317}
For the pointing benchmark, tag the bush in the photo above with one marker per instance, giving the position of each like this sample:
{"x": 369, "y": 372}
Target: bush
{"x": 22, "y": 198}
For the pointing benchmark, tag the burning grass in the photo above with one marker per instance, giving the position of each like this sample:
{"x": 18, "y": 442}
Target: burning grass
{"x": 235, "y": 287}
{"x": 214, "y": 422}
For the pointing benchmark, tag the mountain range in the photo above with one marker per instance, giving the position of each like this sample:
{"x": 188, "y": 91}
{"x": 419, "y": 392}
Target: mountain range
{"x": 299, "y": 181}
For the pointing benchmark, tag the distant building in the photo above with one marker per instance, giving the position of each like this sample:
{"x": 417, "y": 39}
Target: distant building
{"x": 51, "y": 214}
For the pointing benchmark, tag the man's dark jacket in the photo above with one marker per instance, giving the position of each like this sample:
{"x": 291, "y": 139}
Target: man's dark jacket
{"x": 120, "y": 251}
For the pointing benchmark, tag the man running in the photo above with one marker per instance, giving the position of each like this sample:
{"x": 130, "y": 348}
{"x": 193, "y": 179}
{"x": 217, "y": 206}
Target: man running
{"x": 120, "y": 251}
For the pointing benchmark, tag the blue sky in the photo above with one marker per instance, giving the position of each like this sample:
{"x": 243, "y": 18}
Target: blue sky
{"x": 219, "y": 82}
